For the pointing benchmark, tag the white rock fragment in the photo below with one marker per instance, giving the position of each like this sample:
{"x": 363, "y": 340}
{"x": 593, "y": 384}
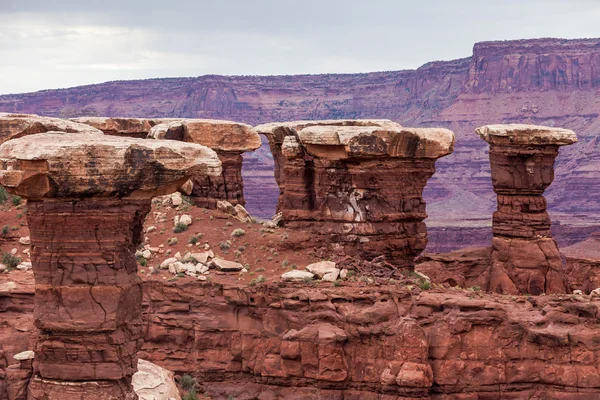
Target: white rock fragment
{"x": 176, "y": 199}
{"x": 24, "y": 266}
{"x": 25, "y": 355}
{"x": 185, "y": 219}
{"x": 323, "y": 268}
{"x": 297, "y": 276}
{"x": 227, "y": 266}
{"x": 165, "y": 264}
{"x": 25, "y": 240}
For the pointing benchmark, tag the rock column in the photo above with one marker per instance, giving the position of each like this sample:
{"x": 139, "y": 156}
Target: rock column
{"x": 358, "y": 184}
{"x": 87, "y": 200}
{"x": 525, "y": 257}
{"x": 230, "y": 140}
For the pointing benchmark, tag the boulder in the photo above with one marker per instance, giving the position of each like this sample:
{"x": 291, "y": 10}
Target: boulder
{"x": 297, "y": 276}
{"x": 152, "y": 382}
{"x": 226, "y": 266}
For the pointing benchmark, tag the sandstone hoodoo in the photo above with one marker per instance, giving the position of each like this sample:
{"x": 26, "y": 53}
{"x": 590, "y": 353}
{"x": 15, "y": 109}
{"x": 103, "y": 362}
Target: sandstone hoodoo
{"x": 525, "y": 257}
{"x": 87, "y": 200}
{"x": 357, "y": 184}
{"x": 18, "y": 125}
{"x": 229, "y": 140}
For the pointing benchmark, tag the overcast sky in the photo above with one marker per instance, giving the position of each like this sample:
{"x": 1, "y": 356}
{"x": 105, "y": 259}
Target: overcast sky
{"x": 47, "y": 44}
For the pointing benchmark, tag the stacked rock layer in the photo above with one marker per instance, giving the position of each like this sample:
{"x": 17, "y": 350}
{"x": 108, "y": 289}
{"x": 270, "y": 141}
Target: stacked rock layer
{"x": 229, "y": 139}
{"x": 525, "y": 257}
{"x": 357, "y": 184}
{"x": 87, "y": 201}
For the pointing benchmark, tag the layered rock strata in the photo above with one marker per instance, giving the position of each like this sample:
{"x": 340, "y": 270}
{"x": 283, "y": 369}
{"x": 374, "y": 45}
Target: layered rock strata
{"x": 87, "y": 200}
{"x": 525, "y": 257}
{"x": 128, "y": 127}
{"x": 229, "y": 140}
{"x": 14, "y": 126}
{"x": 357, "y": 184}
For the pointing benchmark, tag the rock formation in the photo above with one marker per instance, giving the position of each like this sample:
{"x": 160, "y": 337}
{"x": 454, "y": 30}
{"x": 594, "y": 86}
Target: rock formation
{"x": 130, "y": 127}
{"x": 87, "y": 200}
{"x": 14, "y": 126}
{"x": 525, "y": 258}
{"x": 229, "y": 140}
{"x": 357, "y": 184}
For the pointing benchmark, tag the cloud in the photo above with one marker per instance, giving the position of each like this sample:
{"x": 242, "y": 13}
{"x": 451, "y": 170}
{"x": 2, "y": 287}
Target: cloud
{"x": 66, "y": 42}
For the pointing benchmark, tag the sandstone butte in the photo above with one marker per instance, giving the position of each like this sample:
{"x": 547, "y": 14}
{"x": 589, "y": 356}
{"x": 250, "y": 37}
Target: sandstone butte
{"x": 525, "y": 258}
{"x": 228, "y": 139}
{"x": 88, "y": 196}
{"x": 357, "y": 184}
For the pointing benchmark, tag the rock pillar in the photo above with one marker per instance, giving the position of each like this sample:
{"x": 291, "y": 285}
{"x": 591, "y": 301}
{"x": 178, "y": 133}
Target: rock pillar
{"x": 525, "y": 258}
{"x": 87, "y": 200}
{"x": 358, "y": 184}
{"x": 230, "y": 140}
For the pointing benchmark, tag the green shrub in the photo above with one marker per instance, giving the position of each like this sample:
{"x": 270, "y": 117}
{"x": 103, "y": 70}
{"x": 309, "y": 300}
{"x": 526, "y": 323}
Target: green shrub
{"x": 225, "y": 246}
{"x": 16, "y": 200}
{"x": 285, "y": 263}
{"x": 195, "y": 239}
{"x": 180, "y": 227}
{"x": 3, "y": 195}
{"x": 5, "y": 229}
{"x": 336, "y": 283}
{"x": 142, "y": 261}
{"x": 191, "y": 395}
{"x": 238, "y": 232}
{"x": 425, "y": 285}
{"x": 10, "y": 260}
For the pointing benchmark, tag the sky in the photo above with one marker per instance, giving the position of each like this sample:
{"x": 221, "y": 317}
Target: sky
{"x": 50, "y": 44}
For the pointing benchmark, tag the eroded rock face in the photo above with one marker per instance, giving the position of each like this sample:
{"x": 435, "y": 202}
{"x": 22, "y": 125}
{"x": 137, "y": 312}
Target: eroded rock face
{"x": 14, "y": 126}
{"x": 525, "y": 258}
{"x": 229, "y": 140}
{"x": 129, "y": 127}
{"x": 357, "y": 184}
{"x": 87, "y": 200}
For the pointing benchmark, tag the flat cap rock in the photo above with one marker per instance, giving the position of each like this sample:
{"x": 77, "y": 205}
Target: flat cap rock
{"x": 219, "y": 135}
{"x": 57, "y": 164}
{"x": 117, "y": 126}
{"x": 375, "y": 141}
{"x": 276, "y": 130}
{"x": 18, "y": 125}
{"x": 521, "y": 134}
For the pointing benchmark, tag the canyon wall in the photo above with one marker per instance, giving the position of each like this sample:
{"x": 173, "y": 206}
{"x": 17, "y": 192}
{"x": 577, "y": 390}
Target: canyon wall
{"x": 358, "y": 341}
{"x": 550, "y": 82}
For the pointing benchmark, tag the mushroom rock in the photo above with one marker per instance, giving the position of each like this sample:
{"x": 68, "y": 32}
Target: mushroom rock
{"x": 87, "y": 200}
{"x": 129, "y": 127}
{"x": 357, "y": 184}
{"x": 525, "y": 257}
{"x": 229, "y": 140}
{"x": 18, "y": 125}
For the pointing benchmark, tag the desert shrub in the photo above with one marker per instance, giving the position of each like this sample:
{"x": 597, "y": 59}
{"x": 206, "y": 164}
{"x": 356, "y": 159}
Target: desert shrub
{"x": 261, "y": 269}
{"x": 11, "y": 261}
{"x": 238, "y": 232}
{"x": 5, "y": 229}
{"x": 285, "y": 263}
{"x": 350, "y": 274}
{"x": 225, "y": 246}
{"x": 142, "y": 261}
{"x": 475, "y": 288}
{"x": 180, "y": 227}
{"x": 336, "y": 283}
{"x": 3, "y": 195}
{"x": 172, "y": 241}
{"x": 191, "y": 395}
{"x": 425, "y": 285}
{"x": 195, "y": 239}
{"x": 16, "y": 200}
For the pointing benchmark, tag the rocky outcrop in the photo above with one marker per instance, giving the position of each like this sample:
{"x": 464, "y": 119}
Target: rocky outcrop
{"x": 152, "y": 382}
{"x": 229, "y": 140}
{"x": 340, "y": 180}
{"x": 129, "y": 127}
{"x": 525, "y": 258}
{"x": 14, "y": 126}
{"x": 87, "y": 200}
{"x": 362, "y": 341}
